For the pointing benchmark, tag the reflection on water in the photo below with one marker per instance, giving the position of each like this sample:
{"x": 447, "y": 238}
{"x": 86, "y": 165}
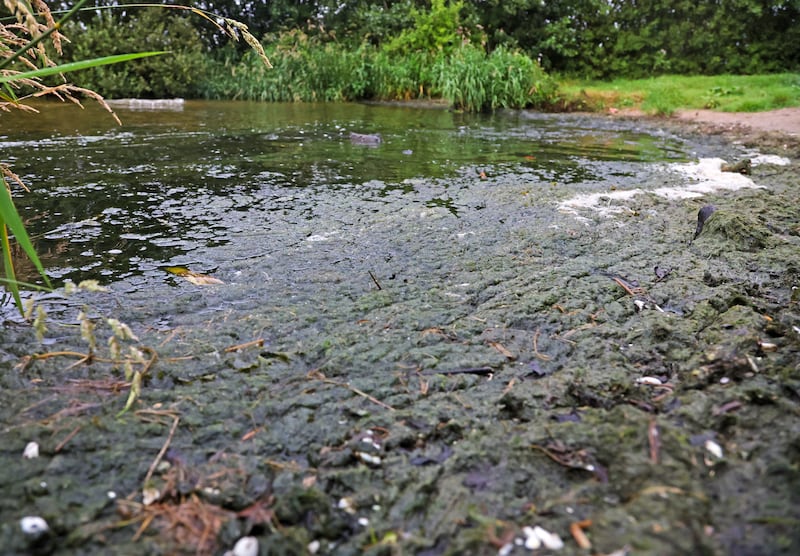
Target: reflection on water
{"x": 108, "y": 202}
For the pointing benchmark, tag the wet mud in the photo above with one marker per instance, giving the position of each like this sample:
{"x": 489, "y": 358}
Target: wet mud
{"x": 432, "y": 373}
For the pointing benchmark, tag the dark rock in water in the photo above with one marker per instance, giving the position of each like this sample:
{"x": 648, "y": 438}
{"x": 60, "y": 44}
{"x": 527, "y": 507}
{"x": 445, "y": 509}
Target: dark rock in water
{"x": 365, "y": 138}
{"x": 702, "y": 215}
{"x": 741, "y": 167}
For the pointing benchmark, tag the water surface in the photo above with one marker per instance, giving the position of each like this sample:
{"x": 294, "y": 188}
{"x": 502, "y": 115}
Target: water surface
{"x": 110, "y": 202}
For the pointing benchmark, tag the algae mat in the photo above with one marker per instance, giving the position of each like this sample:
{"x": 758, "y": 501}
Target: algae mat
{"x": 439, "y": 377}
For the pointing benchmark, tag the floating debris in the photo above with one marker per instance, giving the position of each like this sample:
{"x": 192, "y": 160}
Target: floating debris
{"x": 31, "y": 451}
{"x": 33, "y": 525}
{"x": 365, "y": 138}
{"x": 194, "y": 277}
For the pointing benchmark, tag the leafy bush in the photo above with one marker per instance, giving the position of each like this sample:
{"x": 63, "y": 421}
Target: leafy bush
{"x": 175, "y": 75}
{"x": 437, "y": 30}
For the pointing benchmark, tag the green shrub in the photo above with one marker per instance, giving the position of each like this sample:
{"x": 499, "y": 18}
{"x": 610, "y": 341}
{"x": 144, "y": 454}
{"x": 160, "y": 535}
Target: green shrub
{"x": 177, "y": 74}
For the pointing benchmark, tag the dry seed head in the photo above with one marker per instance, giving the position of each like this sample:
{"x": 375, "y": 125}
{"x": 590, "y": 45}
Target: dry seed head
{"x": 233, "y": 26}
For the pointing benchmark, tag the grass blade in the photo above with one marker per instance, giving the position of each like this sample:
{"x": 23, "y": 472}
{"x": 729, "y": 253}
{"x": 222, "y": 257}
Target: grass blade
{"x": 75, "y": 66}
{"x": 10, "y": 217}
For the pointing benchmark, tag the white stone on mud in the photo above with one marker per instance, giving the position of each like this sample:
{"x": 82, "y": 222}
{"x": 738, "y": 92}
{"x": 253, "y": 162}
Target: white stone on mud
{"x": 33, "y": 525}
{"x": 31, "y": 451}
{"x": 246, "y": 546}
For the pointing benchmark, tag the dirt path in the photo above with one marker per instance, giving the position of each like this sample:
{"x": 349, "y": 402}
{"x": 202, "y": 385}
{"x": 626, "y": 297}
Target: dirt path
{"x": 785, "y": 121}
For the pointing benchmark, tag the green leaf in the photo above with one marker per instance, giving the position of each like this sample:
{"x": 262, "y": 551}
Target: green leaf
{"x": 9, "y": 265}
{"x": 83, "y": 64}
{"x": 10, "y": 217}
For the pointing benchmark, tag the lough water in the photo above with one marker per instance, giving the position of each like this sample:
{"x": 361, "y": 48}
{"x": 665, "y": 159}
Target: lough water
{"x": 170, "y": 185}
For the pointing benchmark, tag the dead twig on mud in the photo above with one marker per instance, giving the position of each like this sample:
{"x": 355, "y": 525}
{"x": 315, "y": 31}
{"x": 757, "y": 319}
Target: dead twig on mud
{"x": 317, "y": 375}
{"x": 377, "y": 284}
{"x": 654, "y": 439}
{"x": 576, "y": 530}
{"x": 162, "y": 451}
{"x": 503, "y": 350}
{"x": 67, "y": 438}
{"x": 536, "y": 352}
{"x": 465, "y": 371}
{"x": 257, "y": 343}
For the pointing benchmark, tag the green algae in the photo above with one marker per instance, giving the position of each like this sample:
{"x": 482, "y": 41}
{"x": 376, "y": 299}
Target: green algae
{"x": 352, "y": 426}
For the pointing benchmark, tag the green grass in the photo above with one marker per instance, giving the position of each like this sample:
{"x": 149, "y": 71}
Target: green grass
{"x": 665, "y": 94}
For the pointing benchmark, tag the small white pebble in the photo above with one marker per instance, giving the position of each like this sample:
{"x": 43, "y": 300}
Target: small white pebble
{"x": 150, "y": 495}
{"x": 246, "y": 546}
{"x": 532, "y": 541}
{"x": 363, "y": 521}
{"x": 505, "y": 550}
{"x": 549, "y": 540}
{"x": 111, "y": 495}
{"x": 724, "y": 380}
{"x": 33, "y": 525}
{"x": 347, "y": 505}
{"x": 31, "y": 451}
{"x": 714, "y": 449}
{"x": 649, "y": 380}
{"x": 313, "y": 547}
{"x": 369, "y": 459}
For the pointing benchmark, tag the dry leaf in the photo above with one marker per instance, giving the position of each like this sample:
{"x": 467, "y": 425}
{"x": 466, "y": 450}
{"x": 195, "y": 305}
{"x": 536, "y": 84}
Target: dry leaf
{"x": 194, "y": 277}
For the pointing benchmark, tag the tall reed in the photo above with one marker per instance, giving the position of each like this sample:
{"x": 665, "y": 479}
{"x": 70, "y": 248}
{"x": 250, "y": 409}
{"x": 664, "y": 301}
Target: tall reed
{"x": 307, "y": 70}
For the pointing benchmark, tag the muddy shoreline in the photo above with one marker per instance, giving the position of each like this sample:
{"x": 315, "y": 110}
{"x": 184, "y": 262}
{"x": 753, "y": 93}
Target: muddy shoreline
{"x": 597, "y": 376}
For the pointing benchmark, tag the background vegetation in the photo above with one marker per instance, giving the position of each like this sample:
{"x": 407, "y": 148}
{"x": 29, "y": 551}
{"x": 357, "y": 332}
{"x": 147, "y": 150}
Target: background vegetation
{"x": 479, "y": 54}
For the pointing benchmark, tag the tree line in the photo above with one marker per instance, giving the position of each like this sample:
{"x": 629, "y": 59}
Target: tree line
{"x": 595, "y": 39}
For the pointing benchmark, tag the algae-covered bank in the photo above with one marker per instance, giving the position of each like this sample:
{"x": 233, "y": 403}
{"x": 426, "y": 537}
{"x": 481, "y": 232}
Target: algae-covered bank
{"x": 475, "y": 336}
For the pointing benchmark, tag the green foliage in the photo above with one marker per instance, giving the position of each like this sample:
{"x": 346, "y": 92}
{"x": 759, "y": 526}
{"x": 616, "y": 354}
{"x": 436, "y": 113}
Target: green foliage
{"x": 175, "y": 75}
{"x": 436, "y": 30}
{"x": 309, "y": 69}
{"x": 306, "y": 69}
{"x": 474, "y": 81}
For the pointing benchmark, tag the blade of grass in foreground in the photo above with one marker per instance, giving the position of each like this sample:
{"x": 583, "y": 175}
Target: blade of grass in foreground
{"x": 75, "y": 66}
{"x": 10, "y": 219}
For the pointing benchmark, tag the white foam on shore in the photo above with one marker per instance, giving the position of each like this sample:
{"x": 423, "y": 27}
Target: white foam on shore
{"x": 700, "y": 178}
